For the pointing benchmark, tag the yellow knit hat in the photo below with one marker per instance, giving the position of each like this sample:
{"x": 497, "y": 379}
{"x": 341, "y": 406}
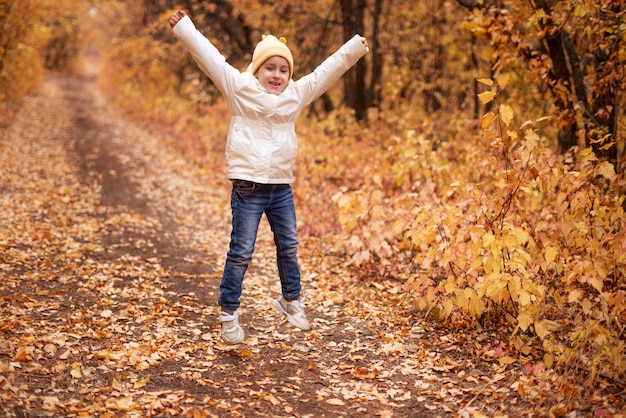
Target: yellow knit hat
{"x": 271, "y": 46}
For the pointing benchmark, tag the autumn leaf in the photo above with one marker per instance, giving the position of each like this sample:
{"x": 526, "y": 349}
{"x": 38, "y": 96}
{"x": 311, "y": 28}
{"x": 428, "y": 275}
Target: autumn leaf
{"x": 24, "y": 354}
{"x": 485, "y": 81}
{"x": 550, "y": 254}
{"x": 76, "y": 371}
{"x": 506, "y": 360}
{"x": 108, "y": 355}
{"x": 125, "y": 404}
{"x": 548, "y": 360}
{"x": 271, "y": 398}
{"x": 503, "y": 80}
{"x": 524, "y": 320}
{"x": 541, "y": 329}
{"x": 531, "y": 139}
{"x": 506, "y": 113}
{"x": 488, "y": 118}
{"x": 574, "y": 295}
{"x": 596, "y": 282}
{"x": 606, "y": 170}
{"x": 486, "y": 96}
{"x": 141, "y": 383}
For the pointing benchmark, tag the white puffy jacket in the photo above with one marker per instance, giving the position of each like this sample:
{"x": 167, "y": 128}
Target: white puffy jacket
{"x": 262, "y": 142}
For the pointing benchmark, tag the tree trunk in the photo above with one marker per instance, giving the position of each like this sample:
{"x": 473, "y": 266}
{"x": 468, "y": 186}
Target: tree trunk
{"x": 605, "y": 105}
{"x": 595, "y": 104}
{"x": 354, "y": 79}
{"x": 560, "y": 79}
{"x": 374, "y": 97}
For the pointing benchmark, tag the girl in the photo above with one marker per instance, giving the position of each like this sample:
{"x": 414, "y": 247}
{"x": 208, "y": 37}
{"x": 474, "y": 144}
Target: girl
{"x": 260, "y": 152}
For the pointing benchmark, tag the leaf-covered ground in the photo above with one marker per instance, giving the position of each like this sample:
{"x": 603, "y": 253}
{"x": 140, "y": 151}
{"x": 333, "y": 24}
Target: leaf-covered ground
{"x": 111, "y": 247}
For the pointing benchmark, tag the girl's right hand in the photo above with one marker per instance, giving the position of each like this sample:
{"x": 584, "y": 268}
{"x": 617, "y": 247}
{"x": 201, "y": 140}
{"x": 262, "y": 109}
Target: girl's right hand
{"x": 176, "y": 18}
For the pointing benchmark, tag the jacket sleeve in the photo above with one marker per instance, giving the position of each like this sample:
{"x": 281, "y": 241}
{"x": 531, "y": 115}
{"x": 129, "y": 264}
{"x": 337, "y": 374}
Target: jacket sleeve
{"x": 328, "y": 72}
{"x": 208, "y": 58}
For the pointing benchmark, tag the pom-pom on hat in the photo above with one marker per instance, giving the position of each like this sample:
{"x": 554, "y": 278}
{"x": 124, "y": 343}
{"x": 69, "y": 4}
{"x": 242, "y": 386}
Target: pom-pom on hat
{"x": 271, "y": 46}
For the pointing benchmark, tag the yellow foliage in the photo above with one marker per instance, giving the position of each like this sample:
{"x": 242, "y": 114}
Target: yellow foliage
{"x": 508, "y": 235}
{"x": 23, "y": 33}
{"x": 505, "y": 225}
{"x": 28, "y": 27}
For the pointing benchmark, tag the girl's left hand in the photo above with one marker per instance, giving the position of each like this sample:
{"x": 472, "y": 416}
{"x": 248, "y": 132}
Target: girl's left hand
{"x": 364, "y": 42}
{"x": 176, "y": 18}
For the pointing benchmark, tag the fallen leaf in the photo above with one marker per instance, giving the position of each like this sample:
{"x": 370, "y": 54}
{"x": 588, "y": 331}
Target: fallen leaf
{"x": 141, "y": 383}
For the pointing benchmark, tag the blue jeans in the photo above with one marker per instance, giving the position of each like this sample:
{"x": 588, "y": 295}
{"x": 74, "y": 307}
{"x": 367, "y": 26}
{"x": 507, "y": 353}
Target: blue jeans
{"x": 249, "y": 201}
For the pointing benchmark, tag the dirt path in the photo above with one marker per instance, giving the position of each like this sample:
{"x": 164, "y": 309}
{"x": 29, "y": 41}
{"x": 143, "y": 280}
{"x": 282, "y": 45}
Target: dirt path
{"x": 110, "y": 253}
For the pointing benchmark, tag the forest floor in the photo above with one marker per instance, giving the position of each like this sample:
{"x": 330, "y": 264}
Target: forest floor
{"x": 111, "y": 247}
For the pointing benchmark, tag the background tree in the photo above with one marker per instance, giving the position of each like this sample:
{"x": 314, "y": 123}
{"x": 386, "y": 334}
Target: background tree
{"x": 356, "y": 97}
{"x": 18, "y": 20}
{"x": 572, "y": 49}
{"x": 35, "y": 35}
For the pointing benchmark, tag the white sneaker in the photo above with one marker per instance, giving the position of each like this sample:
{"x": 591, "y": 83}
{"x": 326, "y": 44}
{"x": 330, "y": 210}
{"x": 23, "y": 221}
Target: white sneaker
{"x": 294, "y": 310}
{"x": 231, "y": 332}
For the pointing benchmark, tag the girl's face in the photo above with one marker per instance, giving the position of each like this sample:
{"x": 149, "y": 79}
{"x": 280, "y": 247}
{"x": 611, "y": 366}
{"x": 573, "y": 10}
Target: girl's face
{"x": 274, "y": 74}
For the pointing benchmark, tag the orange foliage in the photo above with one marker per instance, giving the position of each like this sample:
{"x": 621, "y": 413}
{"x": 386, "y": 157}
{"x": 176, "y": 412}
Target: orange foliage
{"x": 491, "y": 224}
{"x": 35, "y": 35}
{"x": 21, "y": 38}
{"x": 474, "y": 213}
